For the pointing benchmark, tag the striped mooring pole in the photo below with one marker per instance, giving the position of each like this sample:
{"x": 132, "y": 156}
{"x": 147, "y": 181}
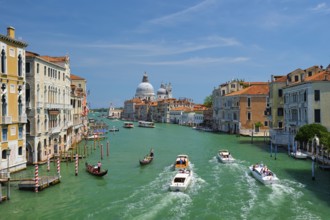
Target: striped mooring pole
{"x": 48, "y": 163}
{"x": 76, "y": 164}
{"x": 36, "y": 177}
{"x": 58, "y": 167}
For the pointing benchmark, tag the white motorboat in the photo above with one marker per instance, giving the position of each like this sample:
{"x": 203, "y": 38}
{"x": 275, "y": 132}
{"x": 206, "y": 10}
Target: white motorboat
{"x": 128, "y": 124}
{"x": 181, "y": 180}
{"x": 225, "y": 157}
{"x": 299, "y": 155}
{"x": 263, "y": 174}
{"x": 181, "y": 162}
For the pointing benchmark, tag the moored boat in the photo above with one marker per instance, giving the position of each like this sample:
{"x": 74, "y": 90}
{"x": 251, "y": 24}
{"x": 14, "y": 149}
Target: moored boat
{"x": 95, "y": 136}
{"x": 181, "y": 180}
{"x": 146, "y": 124}
{"x": 225, "y": 157}
{"x": 181, "y": 162}
{"x": 94, "y": 170}
{"x": 263, "y": 174}
{"x": 113, "y": 129}
{"x": 299, "y": 155}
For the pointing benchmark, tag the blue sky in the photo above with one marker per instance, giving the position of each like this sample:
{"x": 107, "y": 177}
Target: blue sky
{"x": 195, "y": 45}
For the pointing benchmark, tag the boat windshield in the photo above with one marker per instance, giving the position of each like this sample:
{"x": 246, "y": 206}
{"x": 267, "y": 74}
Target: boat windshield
{"x": 179, "y": 180}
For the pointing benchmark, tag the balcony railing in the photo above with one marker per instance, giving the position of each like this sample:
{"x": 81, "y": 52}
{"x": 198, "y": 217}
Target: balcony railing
{"x": 22, "y": 119}
{"x": 7, "y": 120}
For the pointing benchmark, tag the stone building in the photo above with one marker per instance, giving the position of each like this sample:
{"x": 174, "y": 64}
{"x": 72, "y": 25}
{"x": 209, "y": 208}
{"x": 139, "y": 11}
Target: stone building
{"x": 48, "y": 106}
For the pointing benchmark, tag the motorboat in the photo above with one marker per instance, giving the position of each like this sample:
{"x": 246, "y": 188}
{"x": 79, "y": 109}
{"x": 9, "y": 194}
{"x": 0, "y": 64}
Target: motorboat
{"x": 181, "y": 180}
{"x": 263, "y": 174}
{"x": 128, "y": 125}
{"x": 95, "y": 136}
{"x": 181, "y": 162}
{"x": 113, "y": 129}
{"x": 146, "y": 124}
{"x": 299, "y": 155}
{"x": 225, "y": 157}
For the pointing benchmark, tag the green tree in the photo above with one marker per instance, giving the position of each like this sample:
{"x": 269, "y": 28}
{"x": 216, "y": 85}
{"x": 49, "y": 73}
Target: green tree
{"x": 307, "y": 133}
{"x": 208, "y": 101}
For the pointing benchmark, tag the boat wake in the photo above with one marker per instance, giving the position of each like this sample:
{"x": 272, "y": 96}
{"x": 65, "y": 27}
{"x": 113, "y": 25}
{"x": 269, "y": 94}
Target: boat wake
{"x": 154, "y": 199}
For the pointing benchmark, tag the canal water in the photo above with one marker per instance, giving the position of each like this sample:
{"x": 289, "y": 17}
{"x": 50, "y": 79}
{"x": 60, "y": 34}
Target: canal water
{"x": 218, "y": 191}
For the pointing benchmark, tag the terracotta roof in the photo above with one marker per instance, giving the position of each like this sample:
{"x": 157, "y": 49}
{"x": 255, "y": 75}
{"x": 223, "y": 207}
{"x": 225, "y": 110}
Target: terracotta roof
{"x": 280, "y": 78}
{"x": 252, "y": 90}
{"x": 182, "y": 108}
{"x": 75, "y": 77}
{"x": 321, "y": 76}
{"x": 55, "y": 59}
{"x": 31, "y": 54}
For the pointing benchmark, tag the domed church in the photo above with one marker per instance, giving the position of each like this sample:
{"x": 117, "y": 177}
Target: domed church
{"x": 145, "y": 91}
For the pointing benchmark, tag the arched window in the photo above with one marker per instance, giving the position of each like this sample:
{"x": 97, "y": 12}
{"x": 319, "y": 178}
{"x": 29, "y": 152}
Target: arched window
{"x": 3, "y": 61}
{"x": 19, "y": 63}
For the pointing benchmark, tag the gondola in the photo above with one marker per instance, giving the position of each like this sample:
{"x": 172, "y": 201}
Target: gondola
{"x": 146, "y": 160}
{"x": 92, "y": 170}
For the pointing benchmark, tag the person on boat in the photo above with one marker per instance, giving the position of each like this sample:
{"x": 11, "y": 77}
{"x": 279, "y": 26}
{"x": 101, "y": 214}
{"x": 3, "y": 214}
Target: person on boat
{"x": 151, "y": 153}
{"x": 99, "y": 166}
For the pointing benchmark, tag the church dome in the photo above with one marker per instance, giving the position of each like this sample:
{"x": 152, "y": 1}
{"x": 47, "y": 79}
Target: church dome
{"x": 145, "y": 90}
{"x": 161, "y": 90}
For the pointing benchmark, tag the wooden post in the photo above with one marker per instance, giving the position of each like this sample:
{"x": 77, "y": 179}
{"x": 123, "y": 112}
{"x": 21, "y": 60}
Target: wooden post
{"x": 0, "y": 194}
{"x": 313, "y": 167}
{"x": 275, "y": 150}
{"x": 271, "y": 149}
{"x": 36, "y": 178}
{"x": 77, "y": 164}
{"x": 108, "y": 148}
{"x": 101, "y": 151}
{"x": 94, "y": 142}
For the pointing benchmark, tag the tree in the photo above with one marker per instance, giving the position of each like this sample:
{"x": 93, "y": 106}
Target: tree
{"x": 208, "y": 101}
{"x": 307, "y": 133}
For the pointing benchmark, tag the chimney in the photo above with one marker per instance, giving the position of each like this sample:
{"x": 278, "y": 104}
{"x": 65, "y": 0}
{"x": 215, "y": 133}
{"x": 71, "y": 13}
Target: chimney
{"x": 11, "y": 32}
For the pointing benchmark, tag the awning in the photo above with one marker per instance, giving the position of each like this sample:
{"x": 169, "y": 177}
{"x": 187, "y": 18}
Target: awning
{"x": 53, "y": 112}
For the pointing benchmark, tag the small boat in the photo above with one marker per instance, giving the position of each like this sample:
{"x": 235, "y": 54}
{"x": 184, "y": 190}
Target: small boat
{"x": 128, "y": 125}
{"x": 181, "y": 180}
{"x": 94, "y": 171}
{"x": 113, "y": 129}
{"x": 148, "y": 158}
{"x": 225, "y": 157}
{"x": 181, "y": 162}
{"x": 263, "y": 174}
{"x": 299, "y": 155}
{"x": 146, "y": 124}
{"x": 95, "y": 136}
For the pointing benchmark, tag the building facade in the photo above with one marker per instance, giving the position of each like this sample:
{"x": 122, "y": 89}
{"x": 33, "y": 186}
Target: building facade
{"x": 13, "y": 116}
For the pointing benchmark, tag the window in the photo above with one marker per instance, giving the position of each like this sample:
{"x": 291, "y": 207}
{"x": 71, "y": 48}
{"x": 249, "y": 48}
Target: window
{"x": 20, "y": 132}
{"x": 280, "y": 93}
{"x": 280, "y": 124}
{"x": 45, "y": 70}
{"x": 266, "y": 123}
{"x": 310, "y": 73}
{"x": 317, "y": 115}
{"x": 317, "y": 95}
{"x": 249, "y": 116}
{"x": 249, "y": 102}
{"x": 3, "y": 61}
{"x": 27, "y": 67}
{"x": 4, "y": 154}
{"x": 38, "y": 68}
{"x": 20, "y": 150}
{"x": 279, "y": 111}
{"x": 4, "y": 134}
{"x": 4, "y": 105}
{"x": 305, "y": 96}
{"x": 296, "y": 78}
{"x": 19, "y": 65}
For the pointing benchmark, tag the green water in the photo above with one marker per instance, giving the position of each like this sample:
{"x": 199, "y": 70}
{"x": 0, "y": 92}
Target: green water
{"x": 218, "y": 191}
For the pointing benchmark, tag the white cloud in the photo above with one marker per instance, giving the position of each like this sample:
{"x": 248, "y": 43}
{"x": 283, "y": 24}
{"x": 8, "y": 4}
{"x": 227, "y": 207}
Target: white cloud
{"x": 198, "y": 61}
{"x": 182, "y": 15}
{"x": 322, "y": 7}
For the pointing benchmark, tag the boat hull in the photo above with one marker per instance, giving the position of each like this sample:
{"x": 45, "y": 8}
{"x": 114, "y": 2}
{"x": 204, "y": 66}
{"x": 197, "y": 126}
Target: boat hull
{"x": 146, "y": 161}
{"x": 90, "y": 169}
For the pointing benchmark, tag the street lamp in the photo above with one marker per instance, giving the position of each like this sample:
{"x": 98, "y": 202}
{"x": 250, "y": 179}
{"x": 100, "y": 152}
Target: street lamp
{"x": 8, "y": 173}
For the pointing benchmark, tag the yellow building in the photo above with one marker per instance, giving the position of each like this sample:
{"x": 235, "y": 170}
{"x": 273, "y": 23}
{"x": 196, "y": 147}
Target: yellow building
{"x": 13, "y": 117}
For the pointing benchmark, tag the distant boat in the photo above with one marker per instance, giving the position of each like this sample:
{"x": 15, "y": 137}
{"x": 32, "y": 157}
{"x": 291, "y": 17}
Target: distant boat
{"x": 146, "y": 124}
{"x": 225, "y": 157}
{"x": 148, "y": 158}
{"x": 128, "y": 125}
{"x": 95, "y": 136}
{"x": 299, "y": 155}
{"x": 113, "y": 129}
{"x": 263, "y": 174}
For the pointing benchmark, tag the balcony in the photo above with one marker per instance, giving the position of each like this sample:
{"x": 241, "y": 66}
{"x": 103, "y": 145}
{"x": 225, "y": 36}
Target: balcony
{"x": 7, "y": 120}
{"x": 22, "y": 118}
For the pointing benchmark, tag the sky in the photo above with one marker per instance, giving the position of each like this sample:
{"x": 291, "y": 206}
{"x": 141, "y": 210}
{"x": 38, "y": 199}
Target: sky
{"x": 195, "y": 45}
